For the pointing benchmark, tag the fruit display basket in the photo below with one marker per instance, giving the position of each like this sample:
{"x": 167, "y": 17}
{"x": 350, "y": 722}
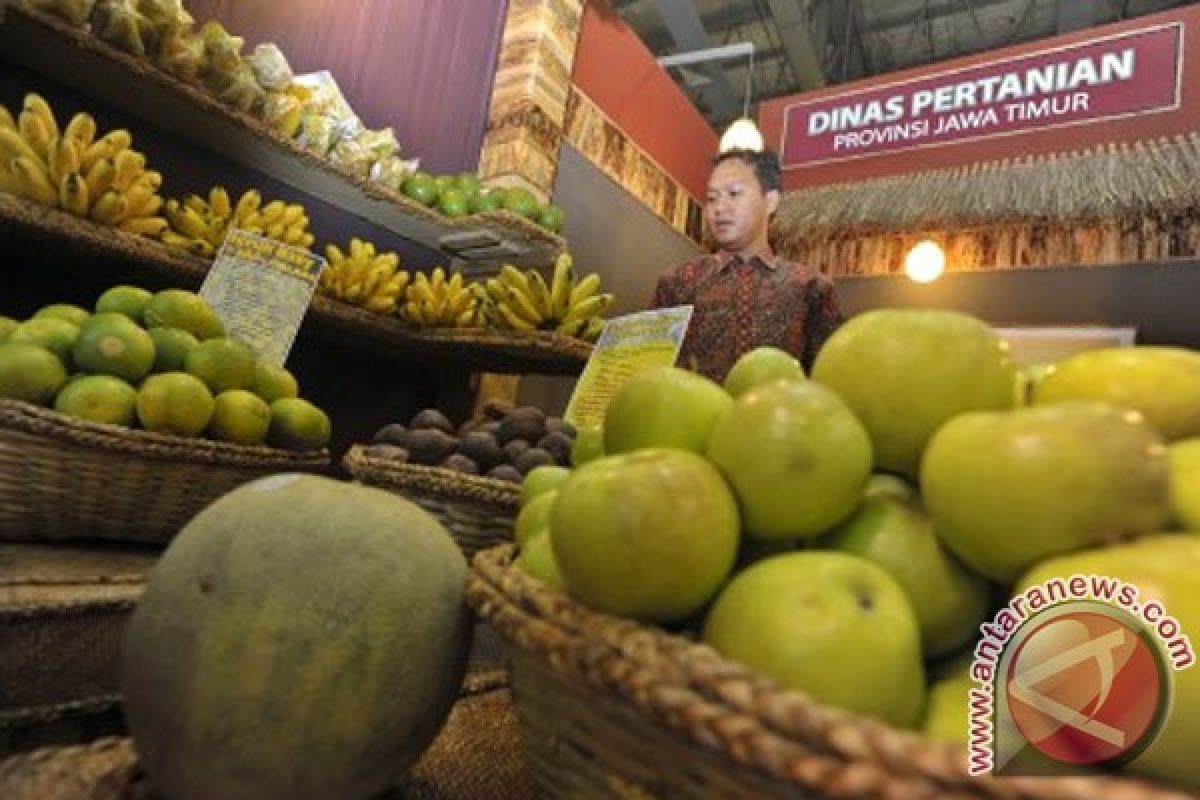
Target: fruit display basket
{"x": 476, "y": 755}
{"x": 478, "y": 512}
{"x": 62, "y": 478}
{"x": 612, "y": 708}
{"x": 62, "y": 613}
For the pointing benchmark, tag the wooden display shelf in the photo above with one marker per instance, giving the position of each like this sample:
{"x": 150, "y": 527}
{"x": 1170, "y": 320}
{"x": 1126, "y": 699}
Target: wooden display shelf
{"x": 76, "y": 58}
{"x": 475, "y": 350}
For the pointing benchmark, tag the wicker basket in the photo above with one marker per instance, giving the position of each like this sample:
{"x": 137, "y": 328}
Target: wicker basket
{"x": 478, "y": 512}
{"x": 63, "y": 478}
{"x": 476, "y": 755}
{"x": 63, "y": 612}
{"x": 610, "y": 708}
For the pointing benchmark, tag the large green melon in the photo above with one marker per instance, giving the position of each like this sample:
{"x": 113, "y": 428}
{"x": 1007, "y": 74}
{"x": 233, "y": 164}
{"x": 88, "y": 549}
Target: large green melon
{"x": 300, "y": 638}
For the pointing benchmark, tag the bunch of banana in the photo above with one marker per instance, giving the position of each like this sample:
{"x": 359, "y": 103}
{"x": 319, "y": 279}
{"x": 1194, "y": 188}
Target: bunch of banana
{"x": 363, "y": 277}
{"x": 522, "y": 301}
{"x": 102, "y": 179}
{"x": 435, "y": 302}
{"x": 200, "y": 225}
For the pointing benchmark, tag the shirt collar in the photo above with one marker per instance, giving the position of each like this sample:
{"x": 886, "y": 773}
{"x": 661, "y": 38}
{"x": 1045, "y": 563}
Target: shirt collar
{"x": 765, "y": 258}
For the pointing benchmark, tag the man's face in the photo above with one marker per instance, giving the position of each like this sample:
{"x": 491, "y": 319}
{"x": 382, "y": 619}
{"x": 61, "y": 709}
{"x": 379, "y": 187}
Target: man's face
{"x": 736, "y": 209}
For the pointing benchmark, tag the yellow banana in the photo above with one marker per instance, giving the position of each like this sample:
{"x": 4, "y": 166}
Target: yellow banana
{"x": 540, "y": 294}
{"x": 100, "y": 177}
{"x": 64, "y": 159}
{"x": 32, "y": 181}
{"x": 524, "y": 307}
{"x": 294, "y": 214}
{"x": 110, "y": 208}
{"x": 515, "y": 278}
{"x": 272, "y": 213}
{"x": 144, "y": 226}
{"x": 36, "y": 105}
{"x": 73, "y": 194}
{"x": 584, "y": 289}
{"x": 130, "y": 164}
{"x": 218, "y": 201}
{"x": 465, "y": 319}
{"x": 13, "y": 145}
{"x": 512, "y": 319}
{"x": 150, "y": 207}
{"x": 560, "y": 286}
{"x": 495, "y": 290}
{"x": 185, "y": 220}
{"x": 197, "y": 246}
{"x": 7, "y": 123}
{"x": 247, "y": 204}
{"x": 597, "y": 304}
{"x": 381, "y": 304}
{"x": 107, "y": 146}
{"x": 82, "y": 131}
{"x": 595, "y": 326}
{"x": 151, "y": 179}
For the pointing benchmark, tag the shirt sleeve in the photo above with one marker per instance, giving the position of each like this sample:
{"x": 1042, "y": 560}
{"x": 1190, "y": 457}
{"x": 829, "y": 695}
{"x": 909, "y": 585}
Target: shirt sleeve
{"x": 824, "y": 317}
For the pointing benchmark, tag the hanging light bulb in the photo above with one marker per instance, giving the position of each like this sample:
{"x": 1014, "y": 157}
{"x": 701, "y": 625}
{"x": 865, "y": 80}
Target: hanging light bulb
{"x": 926, "y": 262}
{"x": 743, "y": 134}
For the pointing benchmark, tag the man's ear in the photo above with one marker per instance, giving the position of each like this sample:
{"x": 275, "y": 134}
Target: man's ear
{"x": 773, "y": 197}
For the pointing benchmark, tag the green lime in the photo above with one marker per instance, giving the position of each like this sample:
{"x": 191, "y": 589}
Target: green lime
{"x": 128, "y": 300}
{"x": 30, "y": 373}
{"x": 98, "y": 398}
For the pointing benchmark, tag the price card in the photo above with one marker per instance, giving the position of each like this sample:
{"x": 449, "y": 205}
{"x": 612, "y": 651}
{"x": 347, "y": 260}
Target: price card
{"x": 261, "y": 289}
{"x": 627, "y": 346}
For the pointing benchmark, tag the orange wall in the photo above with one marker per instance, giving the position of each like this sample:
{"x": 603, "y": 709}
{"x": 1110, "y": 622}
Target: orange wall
{"x": 622, "y": 77}
{"x": 1169, "y": 123}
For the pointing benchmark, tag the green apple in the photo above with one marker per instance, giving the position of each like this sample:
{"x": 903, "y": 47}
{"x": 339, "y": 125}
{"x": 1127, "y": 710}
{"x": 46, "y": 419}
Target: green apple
{"x": 588, "y": 445}
{"x": 536, "y": 559}
{"x": 1007, "y": 489}
{"x": 540, "y": 480}
{"x": 761, "y": 366}
{"x": 947, "y": 717}
{"x": 650, "y": 535}
{"x": 1185, "y": 483}
{"x": 950, "y": 601}
{"x": 905, "y": 373}
{"x": 1161, "y": 382}
{"x": 534, "y": 517}
{"x": 663, "y": 407}
{"x": 796, "y": 457}
{"x": 1163, "y": 568}
{"x": 832, "y": 625}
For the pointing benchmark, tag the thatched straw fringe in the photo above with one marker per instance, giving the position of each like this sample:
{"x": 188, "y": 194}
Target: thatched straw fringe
{"x": 1108, "y": 204}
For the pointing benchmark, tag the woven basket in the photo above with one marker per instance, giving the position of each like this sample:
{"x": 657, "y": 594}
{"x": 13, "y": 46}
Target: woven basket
{"x": 478, "y": 512}
{"x": 63, "y": 478}
{"x": 610, "y": 708}
{"x": 63, "y": 612}
{"x": 476, "y": 755}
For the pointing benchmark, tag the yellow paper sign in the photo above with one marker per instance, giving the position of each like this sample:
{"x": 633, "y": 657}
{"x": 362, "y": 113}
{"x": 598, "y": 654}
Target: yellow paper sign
{"x": 261, "y": 289}
{"x": 628, "y": 345}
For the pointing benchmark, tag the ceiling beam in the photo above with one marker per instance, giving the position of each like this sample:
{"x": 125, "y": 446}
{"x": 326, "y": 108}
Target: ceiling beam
{"x": 730, "y": 16}
{"x": 688, "y": 32}
{"x": 931, "y": 11}
{"x": 798, "y": 45}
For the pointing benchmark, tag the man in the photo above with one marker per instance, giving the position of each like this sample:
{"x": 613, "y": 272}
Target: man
{"x": 744, "y": 296}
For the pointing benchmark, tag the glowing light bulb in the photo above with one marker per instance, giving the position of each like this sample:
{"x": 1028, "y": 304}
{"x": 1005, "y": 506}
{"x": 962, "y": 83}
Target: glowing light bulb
{"x": 926, "y": 262}
{"x": 743, "y": 134}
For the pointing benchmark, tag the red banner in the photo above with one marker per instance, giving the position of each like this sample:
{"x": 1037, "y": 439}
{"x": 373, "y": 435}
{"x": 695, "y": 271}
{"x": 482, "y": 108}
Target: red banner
{"x": 1138, "y": 72}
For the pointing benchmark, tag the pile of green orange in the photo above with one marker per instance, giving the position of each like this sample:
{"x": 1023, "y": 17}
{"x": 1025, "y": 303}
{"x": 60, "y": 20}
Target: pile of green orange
{"x": 852, "y": 532}
{"x": 462, "y": 194}
{"x": 159, "y": 361}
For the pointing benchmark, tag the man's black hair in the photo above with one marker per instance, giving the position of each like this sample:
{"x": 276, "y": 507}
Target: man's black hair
{"x": 765, "y": 164}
